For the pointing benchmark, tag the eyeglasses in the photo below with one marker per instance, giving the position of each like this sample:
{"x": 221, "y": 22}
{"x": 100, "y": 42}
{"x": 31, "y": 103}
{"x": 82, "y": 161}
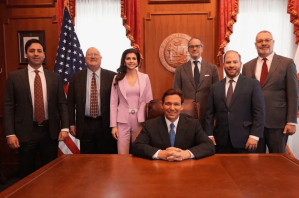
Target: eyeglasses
{"x": 266, "y": 41}
{"x": 195, "y": 46}
{"x": 92, "y": 54}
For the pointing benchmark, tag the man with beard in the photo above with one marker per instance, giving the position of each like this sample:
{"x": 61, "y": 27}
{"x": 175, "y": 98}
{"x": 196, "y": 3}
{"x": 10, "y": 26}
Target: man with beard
{"x": 237, "y": 104}
{"x": 278, "y": 79}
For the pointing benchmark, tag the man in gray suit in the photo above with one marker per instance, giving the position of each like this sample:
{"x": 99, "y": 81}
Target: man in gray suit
{"x": 196, "y": 76}
{"x": 278, "y": 79}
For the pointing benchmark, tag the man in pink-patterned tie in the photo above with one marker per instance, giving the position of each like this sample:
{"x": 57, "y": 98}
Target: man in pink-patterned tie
{"x": 35, "y": 111}
{"x": 278, "y": 79}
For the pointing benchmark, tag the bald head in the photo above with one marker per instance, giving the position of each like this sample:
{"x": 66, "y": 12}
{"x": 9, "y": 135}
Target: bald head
{"x": 93, "y": 59}
{"x": 264, "y": 43}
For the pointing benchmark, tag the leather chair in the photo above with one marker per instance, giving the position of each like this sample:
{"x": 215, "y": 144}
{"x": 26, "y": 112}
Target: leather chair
{"x": 154, "y": 109}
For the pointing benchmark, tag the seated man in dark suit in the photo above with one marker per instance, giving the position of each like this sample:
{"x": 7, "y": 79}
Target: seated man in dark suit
{"x": 172, "y": 136}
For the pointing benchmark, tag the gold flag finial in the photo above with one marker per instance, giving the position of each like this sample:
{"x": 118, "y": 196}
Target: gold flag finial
{"x": 66, "y": 4}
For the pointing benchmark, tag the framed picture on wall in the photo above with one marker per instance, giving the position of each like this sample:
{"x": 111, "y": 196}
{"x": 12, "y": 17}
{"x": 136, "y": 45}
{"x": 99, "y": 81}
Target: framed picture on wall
{"x": 23, "y": 37}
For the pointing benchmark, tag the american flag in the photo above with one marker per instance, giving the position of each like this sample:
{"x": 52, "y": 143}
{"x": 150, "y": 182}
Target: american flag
{"x": 69, "y": 59}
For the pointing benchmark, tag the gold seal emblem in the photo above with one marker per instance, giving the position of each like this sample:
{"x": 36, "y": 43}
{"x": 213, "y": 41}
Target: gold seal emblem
{"x": 173, "y": 51}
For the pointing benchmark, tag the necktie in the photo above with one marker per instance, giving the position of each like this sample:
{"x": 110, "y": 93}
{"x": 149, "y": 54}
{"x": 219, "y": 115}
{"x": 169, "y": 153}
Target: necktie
{"x": 39, "y": 111}
{"x": 94, "y": 107}
{"x": 196, "y": 73}
{"x": 264, "y": 72}
{"x": 172, "y": 134}
{"x": 230, "y": 92}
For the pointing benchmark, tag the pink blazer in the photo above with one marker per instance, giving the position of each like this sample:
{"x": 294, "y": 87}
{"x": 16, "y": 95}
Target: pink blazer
{"x": 119, "y": 106}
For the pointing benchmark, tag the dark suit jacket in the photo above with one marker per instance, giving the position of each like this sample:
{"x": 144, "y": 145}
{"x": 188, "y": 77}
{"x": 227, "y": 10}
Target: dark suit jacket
{"x": 18, "y": 109}
{"x": 76, "y": 100}
{"x": 243, "y": 117}
{"x": 189, "y": 135}
{"x": 184, "y": 80}
{"x": 279, "y": 90}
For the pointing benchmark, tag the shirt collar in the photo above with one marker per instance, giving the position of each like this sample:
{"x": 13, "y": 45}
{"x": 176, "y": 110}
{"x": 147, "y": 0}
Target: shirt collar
{"x": 269, "y": 57}
{"x": 175, "y": 122}
{"x": 31, "y": 69}
{"x": 98, "y": 72}
{"x": 200, "y": 59}
{"x": 235, "y": 78}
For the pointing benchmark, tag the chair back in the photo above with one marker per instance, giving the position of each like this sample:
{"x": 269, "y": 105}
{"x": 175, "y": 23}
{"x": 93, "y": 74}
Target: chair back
{"x": 154, "y": 109}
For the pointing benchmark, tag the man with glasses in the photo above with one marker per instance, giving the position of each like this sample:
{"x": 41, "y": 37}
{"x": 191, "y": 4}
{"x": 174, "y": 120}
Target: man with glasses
{"x": 89, "y": 106}
{"x": 278, "y": 80}
{"x": 196, "y": 76}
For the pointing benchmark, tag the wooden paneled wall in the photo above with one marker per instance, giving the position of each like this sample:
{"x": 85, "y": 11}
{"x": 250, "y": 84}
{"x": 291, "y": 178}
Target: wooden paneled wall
{"x": 159, "y": 20}
{"x": 22, "y": 15}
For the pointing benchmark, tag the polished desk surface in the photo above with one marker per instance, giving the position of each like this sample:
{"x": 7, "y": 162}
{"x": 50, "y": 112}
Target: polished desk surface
{"x": 251, "y": 175}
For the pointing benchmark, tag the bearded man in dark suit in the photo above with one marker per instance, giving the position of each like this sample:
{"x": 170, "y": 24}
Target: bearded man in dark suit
{"x": 237, "y": 104}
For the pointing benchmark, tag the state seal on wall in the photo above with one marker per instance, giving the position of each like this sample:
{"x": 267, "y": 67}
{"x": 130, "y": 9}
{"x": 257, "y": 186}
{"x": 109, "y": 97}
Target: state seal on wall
{"x": 173, "y": 51}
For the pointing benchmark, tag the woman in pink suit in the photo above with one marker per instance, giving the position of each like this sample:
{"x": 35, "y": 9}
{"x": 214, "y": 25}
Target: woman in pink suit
{"x": 130, "y": 91}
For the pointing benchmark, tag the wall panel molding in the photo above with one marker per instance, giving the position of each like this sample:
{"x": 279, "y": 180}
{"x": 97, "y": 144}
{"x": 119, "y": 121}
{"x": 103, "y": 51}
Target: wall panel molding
{"x": 209, "y": 17}
{"x": 159, "y": 25}
{"x": 54, "y": 18}
{"x": 177, "y": 1}
{"x": 29, "y": 3}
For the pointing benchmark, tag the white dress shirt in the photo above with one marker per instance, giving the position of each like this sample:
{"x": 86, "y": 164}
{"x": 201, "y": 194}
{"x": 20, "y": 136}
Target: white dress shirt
{"x": 198, "y": 65}
{"x": 31, "y": 75}
{"x": 259, "y": 65}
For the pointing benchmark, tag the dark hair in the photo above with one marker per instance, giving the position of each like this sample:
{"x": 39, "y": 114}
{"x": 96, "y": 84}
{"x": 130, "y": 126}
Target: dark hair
{"x": 173, "y": 91}
{"x": 197, "y": 38}
{"x": 29, "y": 42}
{"x": 122, "y": 70}
{"x": 232, "y": 51}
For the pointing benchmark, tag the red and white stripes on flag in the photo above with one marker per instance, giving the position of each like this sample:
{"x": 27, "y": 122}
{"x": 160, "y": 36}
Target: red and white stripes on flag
{"x": 70, "y": 146}
{"x": 293, "y": 140}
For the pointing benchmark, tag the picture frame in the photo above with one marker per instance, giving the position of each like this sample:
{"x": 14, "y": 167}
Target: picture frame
{"x": 23, "y": 37}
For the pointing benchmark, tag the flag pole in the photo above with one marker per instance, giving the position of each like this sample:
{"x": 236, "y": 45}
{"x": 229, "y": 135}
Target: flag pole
{"x": 66, "y": 4}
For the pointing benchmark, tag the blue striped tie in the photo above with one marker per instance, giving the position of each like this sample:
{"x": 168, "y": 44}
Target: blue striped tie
{"x": 172, "y": 134}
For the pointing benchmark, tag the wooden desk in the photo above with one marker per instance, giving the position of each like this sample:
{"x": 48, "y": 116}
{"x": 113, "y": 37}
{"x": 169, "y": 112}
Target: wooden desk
{"x": 264, "y": 175}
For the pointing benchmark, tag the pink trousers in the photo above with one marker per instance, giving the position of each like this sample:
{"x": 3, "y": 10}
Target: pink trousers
{"x": 127, "y": 132}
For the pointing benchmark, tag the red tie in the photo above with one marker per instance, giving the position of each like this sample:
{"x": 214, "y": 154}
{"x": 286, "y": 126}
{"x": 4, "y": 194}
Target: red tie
{"x": 94, "y": 107}
{"x": 39, "y": 111}
{"x": 264, "y": 72}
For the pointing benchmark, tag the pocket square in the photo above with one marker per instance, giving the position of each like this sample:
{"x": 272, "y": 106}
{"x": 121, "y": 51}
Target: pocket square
{"x": 207, "y": 75}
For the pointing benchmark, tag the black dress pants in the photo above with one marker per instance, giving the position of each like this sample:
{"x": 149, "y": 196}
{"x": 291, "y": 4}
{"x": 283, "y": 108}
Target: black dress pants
{"x": 40, "y": 140}
{"x": 93, "y": 140}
